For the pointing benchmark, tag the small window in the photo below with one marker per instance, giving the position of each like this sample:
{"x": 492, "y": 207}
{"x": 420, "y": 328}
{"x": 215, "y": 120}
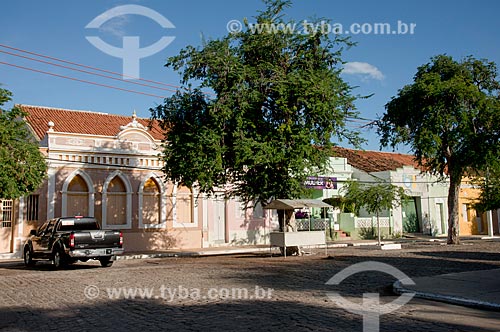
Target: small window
{"x": 6, "y": 213}
{"x": 32, "y": 208}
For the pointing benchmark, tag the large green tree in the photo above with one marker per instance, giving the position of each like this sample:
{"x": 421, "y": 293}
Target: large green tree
{"x": 450, "y": 118}
{"x": 22, "y": 166}
{"x": 258, "y": 111}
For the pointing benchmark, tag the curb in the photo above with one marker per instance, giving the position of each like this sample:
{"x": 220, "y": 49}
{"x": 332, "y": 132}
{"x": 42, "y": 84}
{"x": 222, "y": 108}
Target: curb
{"x": 201, "y": 253}
{"x": 11, "y": 263}
{"x": 399, "y": 288}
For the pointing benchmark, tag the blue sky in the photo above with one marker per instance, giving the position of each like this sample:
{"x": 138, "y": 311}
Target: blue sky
{"x": 379, "y": 64}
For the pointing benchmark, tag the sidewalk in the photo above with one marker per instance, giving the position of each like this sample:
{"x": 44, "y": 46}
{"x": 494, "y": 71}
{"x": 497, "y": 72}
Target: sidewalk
{"x": 197, "y": 252}
{"x": 480, "y": 289}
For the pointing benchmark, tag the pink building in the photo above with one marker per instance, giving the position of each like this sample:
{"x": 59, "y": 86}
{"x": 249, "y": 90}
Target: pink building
{"x": 108, "y": 166}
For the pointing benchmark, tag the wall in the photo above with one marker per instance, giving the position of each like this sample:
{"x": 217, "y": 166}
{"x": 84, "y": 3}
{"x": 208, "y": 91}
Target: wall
{"x": 471, "y": 221}
{"x": 427, "y": 190}
{"x": 365, "y": 228}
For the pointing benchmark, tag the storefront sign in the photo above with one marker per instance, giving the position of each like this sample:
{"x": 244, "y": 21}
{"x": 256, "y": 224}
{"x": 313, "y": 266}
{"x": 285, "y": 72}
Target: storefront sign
{"x": 320, "y": 182}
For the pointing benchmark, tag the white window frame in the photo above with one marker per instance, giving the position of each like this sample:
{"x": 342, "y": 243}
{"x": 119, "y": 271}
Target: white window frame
{"x": 128, "y": 211}
{"x": 163, "y": 203}
{"x": 90, "y": 187}
{"x": 194, "y": 207}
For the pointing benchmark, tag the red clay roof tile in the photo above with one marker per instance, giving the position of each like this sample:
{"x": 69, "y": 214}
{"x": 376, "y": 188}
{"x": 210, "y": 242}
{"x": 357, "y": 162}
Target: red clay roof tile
{"x": 375, "y": 161}
{"x": 82, "y": 122}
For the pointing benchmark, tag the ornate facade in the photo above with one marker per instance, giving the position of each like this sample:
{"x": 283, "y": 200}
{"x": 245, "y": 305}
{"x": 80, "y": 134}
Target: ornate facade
{"x": 108, "y": 166}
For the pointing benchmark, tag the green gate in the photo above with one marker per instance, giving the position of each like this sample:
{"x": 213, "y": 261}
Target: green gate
{"x": 411, "y": 223}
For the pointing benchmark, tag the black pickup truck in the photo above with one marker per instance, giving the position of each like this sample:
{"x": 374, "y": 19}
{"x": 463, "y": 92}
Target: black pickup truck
{"x": 69, "y": 239}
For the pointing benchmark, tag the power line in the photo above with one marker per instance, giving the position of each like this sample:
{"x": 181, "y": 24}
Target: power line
{"x": 87, "y": 72}
{"x": 86, "y": 66}
{"x": 80, "y": 80}
{"x": 176, "y": 87}
{"x": 360, "y": 120}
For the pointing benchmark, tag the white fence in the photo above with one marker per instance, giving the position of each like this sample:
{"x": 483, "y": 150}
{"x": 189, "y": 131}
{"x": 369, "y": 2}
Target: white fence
{"x": 370, "y": 222}
{"x": 311, "y": 225}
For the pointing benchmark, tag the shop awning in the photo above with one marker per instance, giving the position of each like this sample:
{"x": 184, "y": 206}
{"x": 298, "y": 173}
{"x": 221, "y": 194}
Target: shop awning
{"x": 292, "y": 204}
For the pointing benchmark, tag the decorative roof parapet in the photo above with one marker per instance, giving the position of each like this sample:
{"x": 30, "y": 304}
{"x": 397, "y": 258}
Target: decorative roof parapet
{"x": 134, "y": 124}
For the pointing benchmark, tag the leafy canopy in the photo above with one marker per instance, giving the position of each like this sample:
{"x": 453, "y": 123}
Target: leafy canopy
{"x": 275, "y": 103}
{"x": 23, "y": 167}
{"x": 450, "y": 117}
{"x": 375, "y": 198}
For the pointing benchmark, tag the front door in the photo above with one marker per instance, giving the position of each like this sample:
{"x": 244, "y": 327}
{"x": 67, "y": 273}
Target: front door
{"x": 218, "y": 231}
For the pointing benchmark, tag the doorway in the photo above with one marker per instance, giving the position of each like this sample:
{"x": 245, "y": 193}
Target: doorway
{"x": 217, "y": 232}
{"x": 410, "y": 220}
{"x": 440, "y": 218}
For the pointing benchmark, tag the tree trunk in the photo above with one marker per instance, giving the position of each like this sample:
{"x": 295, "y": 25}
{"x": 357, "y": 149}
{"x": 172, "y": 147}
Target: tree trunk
{"x": 378, "y": 231}
{"x": 453, "y": 208}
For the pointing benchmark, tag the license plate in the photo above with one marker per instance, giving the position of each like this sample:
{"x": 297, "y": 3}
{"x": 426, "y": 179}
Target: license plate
{"x": 98, "y": 235}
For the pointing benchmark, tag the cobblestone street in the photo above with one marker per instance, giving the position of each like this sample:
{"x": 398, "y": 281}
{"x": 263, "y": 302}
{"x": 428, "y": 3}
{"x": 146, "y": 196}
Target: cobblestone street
{"x": 194, "y": 294}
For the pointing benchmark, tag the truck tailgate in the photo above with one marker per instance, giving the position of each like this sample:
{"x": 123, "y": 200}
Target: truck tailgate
{"x": 97, "y": 239}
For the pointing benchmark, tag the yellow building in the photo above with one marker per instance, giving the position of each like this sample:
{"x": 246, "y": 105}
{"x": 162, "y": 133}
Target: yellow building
{"x": 472, "y": 222}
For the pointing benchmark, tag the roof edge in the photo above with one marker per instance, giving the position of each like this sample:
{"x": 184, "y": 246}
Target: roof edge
{"x": 66, "y": 109}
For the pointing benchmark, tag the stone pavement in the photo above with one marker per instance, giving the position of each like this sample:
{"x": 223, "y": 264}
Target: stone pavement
{"x": 150, "y": 294}
{"x": 480, "y": 289}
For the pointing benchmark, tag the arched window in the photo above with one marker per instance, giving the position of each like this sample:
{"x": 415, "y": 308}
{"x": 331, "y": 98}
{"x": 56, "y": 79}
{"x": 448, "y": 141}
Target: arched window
{"x": 78, "y": 195}
{"x": 151, "y": 203}
{"x": 117, "y": 202}
{"x": 155, "y": 205}
{"x": 77, "y": 201}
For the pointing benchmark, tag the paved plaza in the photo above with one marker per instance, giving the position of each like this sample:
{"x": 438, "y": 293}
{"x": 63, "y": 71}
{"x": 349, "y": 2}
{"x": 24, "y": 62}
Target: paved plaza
{"x": 245, "y": 292}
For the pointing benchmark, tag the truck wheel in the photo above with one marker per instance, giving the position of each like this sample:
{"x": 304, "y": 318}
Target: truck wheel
{"x": 28, "y": 258}
{"x": 58, "y": 259}
{"x": 106, "y": 261}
